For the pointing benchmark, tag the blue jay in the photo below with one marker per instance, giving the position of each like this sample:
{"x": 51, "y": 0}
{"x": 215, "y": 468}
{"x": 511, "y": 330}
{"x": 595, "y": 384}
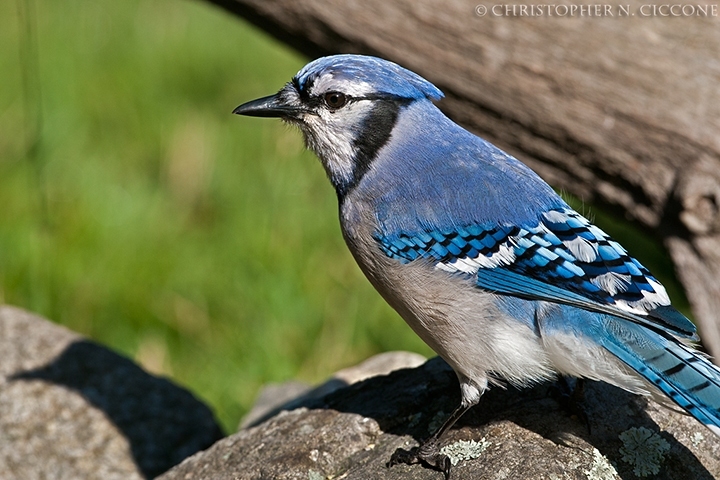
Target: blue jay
{"x": 484, "y": 261}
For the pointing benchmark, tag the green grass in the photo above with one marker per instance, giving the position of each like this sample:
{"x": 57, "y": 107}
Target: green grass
{"x": 137, "y": 210}
{"x": 202, "y": 244}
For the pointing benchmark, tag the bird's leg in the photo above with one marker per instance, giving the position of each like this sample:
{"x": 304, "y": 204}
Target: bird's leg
{"x": 572, "y": 399}
{"x": 428, "y": 453}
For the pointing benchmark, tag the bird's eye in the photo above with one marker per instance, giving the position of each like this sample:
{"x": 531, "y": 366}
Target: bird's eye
{"x": 335, "y": 100}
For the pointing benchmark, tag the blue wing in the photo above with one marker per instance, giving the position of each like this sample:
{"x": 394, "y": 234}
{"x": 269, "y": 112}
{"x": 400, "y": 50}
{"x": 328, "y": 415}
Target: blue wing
{"x": 562, "y": 258}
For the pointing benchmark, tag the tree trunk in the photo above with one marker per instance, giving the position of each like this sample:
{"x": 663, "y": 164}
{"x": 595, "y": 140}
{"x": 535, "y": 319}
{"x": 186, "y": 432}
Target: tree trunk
{"x": 615, "y": 104}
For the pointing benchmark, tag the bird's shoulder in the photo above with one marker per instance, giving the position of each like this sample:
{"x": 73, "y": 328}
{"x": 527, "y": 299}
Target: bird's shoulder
{"x": 447, "y": 175}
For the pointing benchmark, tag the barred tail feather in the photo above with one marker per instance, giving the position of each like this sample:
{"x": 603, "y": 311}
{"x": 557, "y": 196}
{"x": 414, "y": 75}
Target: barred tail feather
{"x": 685, "y": 376}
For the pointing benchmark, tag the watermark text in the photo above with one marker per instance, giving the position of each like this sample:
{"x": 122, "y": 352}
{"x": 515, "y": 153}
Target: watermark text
{"x": 598, "y": 10}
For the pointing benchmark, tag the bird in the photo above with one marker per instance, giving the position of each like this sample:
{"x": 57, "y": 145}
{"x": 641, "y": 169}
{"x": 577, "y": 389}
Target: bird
{"x": 480, "y": 256}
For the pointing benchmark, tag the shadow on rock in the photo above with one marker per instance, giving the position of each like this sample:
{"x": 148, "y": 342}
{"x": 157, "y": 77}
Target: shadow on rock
{"x": 163, "y": 423}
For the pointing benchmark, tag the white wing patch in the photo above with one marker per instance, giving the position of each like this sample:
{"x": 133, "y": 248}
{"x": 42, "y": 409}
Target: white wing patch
{"x": 582, "y": 249}
{"x": 555, "y": 216}
{"x": 612, "y": 282}
{"x": 504, "y": 256}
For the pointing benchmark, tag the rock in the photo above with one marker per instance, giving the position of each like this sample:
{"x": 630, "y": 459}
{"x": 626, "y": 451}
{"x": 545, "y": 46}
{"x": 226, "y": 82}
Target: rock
{"x": 351, "y": 432}
{"x": 380, "y": 364}
{"x": 70, "y": 408}
{"x": 272, "y": 399}
{"x": 275, "y": 398}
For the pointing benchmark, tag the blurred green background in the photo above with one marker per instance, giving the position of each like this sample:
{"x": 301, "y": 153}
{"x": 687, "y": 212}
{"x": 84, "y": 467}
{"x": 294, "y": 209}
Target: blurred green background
{"x": 135, "y": 209}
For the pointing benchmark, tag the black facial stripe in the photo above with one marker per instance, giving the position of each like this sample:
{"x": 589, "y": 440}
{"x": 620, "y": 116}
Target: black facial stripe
{"x": 376, "y": 129}
{"x": 375, "y": 132}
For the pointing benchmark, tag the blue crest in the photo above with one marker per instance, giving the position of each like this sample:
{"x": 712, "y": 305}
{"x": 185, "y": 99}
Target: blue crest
{"x": 386, "y": 77}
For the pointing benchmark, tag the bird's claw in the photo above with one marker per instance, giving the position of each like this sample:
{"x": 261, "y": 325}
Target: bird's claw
{"x": 427, "y": 454}
{"x": 572, "y": 399}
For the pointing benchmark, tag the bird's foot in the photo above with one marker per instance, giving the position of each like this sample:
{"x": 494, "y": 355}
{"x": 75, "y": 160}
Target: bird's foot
{"x": 427, "y": 454}
{"x": 571, "y": 399}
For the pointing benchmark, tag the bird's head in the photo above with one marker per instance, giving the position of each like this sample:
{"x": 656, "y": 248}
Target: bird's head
{"x": 346, "y": 107}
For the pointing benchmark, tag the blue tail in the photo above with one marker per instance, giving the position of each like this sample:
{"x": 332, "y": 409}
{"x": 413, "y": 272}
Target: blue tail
{"x": 684, "y": 375}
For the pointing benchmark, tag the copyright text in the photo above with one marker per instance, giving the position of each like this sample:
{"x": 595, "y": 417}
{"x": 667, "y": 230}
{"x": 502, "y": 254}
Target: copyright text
{"x": 597, "y": 10}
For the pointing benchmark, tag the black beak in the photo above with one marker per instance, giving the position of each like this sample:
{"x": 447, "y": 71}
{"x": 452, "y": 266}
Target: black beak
{"x": 272, "y": 106}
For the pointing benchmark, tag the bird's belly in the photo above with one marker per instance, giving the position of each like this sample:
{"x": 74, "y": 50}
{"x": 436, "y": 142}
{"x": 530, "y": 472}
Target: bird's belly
{"x": 463, "y": 323}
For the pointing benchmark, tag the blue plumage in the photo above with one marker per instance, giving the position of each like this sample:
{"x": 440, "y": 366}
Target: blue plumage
{"x": 382, "y": 76}
{"x": 478, "y": 254}
{"x": 543, "y": 253}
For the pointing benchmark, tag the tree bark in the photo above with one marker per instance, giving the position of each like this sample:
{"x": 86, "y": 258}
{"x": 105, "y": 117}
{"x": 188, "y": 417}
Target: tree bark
{"x": 619, "y": 107}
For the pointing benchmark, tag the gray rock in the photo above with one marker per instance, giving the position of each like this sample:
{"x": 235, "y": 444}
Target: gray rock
{"x": 352, "y": 432}
{"x": 72, "y": 409}
{"x": 274, "y": 398}
{"x": 380, "y": 364}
